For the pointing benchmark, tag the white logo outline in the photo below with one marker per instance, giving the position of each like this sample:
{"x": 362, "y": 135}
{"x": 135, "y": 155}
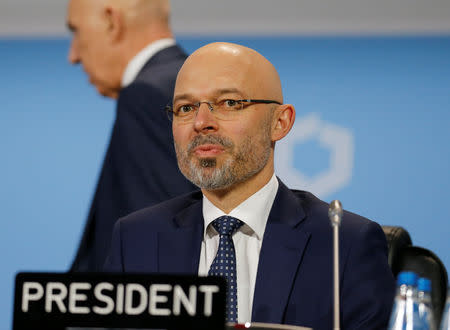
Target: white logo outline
{"x": 337, "y": 140}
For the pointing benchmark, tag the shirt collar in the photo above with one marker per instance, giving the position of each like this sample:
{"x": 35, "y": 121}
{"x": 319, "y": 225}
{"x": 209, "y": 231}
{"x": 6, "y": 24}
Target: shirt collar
{"x": 138, "y": 61}
{"x": 254, "y": 211}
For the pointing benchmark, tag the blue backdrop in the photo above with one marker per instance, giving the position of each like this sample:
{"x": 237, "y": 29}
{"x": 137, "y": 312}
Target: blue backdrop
{"x": 373, "y": 130}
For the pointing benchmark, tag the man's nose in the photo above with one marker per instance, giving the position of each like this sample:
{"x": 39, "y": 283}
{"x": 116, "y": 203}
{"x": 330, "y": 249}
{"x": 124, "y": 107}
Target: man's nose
{"x": 73, "y": 56}
{"x": 204, "y": 119}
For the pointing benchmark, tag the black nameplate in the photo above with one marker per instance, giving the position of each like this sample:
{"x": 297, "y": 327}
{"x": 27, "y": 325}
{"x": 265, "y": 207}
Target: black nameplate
{"x": 59, "y": 300}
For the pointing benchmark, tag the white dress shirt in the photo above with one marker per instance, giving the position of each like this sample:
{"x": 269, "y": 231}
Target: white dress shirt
{"x": 138, "y": 61}
{"x": 254, "y": 212}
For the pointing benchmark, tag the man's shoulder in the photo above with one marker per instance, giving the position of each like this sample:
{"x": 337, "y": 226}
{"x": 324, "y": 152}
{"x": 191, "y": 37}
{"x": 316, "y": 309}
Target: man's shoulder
{"x": 161, "y": 215}
{"x": 316, "y": 212}
{"x": 354, "y": 230}
{"x": 155, "y": 82}
{"x": 162, "y": 68}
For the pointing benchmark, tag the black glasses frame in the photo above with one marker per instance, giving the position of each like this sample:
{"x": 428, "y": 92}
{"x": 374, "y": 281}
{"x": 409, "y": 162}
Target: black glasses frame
{"x": 169, "y": 108}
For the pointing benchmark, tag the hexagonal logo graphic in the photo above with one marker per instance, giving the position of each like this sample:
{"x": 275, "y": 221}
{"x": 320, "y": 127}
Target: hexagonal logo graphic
{"x": 331, "y": 174}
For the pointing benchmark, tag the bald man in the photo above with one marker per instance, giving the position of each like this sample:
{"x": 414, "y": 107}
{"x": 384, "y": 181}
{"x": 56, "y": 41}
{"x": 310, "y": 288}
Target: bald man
{"x": 127, "y": 49}
{"x": 272, "y": 244}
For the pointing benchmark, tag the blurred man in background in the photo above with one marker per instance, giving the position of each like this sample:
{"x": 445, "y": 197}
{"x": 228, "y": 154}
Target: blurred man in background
{"x": 127, "y": 49}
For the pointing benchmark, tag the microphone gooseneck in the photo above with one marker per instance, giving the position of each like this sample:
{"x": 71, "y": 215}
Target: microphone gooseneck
{"x": 335, "y": 213}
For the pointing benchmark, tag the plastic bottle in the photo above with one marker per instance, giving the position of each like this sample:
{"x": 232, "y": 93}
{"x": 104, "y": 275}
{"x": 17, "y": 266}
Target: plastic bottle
{"x": 425, "y": 305}
{"x": 445, "y": 323}
{"x": 405, "y": 312}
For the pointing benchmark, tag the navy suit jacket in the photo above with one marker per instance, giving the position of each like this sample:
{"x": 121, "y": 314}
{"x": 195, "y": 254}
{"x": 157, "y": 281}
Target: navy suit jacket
{"x": 140, "y": 167}
{"x": 294, "y": 278}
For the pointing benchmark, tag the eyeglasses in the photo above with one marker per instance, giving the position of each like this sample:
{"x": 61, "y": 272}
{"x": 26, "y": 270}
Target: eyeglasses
{"x": 224, "y": 109}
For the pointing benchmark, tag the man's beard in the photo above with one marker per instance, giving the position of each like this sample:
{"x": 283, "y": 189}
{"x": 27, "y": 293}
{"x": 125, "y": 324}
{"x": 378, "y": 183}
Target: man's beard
{"x": 246, "y": 160}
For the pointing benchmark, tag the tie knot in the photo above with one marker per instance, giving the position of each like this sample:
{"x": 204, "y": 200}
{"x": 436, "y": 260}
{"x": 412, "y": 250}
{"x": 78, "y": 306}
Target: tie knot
{"x": 226, "y": 225}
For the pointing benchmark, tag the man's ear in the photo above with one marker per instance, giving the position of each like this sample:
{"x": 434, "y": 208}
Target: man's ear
{"x": 284, "y": 117}
{"x": 115, "y": 24}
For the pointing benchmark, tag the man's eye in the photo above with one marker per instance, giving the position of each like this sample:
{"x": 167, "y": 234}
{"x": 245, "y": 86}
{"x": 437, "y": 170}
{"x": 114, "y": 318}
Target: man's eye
{"x": 231, "y": 104}
{"x": 185, "y": 109}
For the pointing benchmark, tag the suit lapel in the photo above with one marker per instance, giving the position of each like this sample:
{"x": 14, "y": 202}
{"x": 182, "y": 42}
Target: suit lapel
{"x": 179, "y": 249}
{"x": 281, "y": 253}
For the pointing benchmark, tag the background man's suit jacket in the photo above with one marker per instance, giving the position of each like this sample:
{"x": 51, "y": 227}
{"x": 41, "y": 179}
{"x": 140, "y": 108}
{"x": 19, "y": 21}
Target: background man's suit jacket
{"x": 294, "y": 279}
{"x": 140, "y": 167}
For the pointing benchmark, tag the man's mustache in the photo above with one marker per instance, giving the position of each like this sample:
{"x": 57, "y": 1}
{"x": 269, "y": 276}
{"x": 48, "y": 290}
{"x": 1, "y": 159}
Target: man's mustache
{"x": 209, "y": 139}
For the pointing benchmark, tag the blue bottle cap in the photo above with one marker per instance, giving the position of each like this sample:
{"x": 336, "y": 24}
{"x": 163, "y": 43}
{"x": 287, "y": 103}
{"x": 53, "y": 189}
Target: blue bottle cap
{"x": 424, "y": 284}
{"x": 408, "y": 278}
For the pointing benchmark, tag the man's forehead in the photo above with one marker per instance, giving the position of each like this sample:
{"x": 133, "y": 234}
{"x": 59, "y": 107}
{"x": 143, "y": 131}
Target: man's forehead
{"x": 209, "y": 83}
{"x": 76, "y": 5}
{"x": 81, "y": 9}
{"x": 221, "y": 65}
{"x": 213, "y": 68}
{"x": 212, "y": 93}
{"x": 213, "y": 79}
{"x": 75, "y": 12}
{"x": 218, "y": 60}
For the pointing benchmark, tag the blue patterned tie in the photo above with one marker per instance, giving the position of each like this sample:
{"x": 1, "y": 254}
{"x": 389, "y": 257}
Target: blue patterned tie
{"x": 224, "y": 264}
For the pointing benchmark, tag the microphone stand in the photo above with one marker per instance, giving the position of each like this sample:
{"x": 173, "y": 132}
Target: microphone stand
{"x": 335, "y": 214}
